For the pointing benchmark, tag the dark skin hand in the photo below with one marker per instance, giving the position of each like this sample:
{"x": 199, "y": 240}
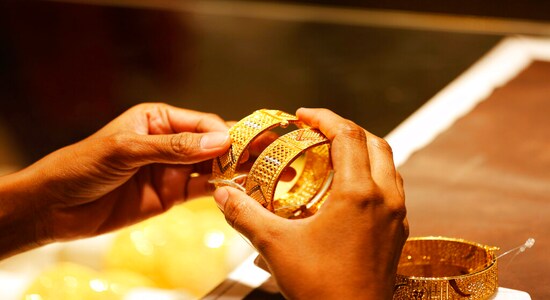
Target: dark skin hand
{"x": 137, "y": 166}
{"x": 140, "y": 165}
{"x": 350, "y": 248}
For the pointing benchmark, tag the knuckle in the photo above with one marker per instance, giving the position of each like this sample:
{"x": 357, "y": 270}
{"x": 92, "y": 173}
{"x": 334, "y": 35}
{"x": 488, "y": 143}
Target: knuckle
{"x": 399, "y": 177}
{"x": 142, "y": 105}
{"x": 154, "y": 104}
{"x": 117, "y": 151}
{"x": 153, "y": 109}
{"x": 184, "y": 144}
{"x": 406, "y": 229}
{"x": 147, "y": 106}
{"x": 365, "y": 193}
{"x": 373, "y": 197}
{"x": 121, "y": 148}
{"x": 350, "y": 130}
{"x": 400, "y": 185}
{"x": 119, "y": 143}
{"x": 398, "y": 211}
{"x": 380, "y": 143}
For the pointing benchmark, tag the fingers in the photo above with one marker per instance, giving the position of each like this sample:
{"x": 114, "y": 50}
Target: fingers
{"x": 247, "y": 216}
{"x": 406, "y": 229}
{"x": 189, "y": 120}
{"x": 384, "y": 173}
{"x": 182, "y": 148}
{"x": 288, "y": 174}
{"x": 160, "y": 118}
{"x": 399, "y": 183}
{"x": 349, "y": 150}
{"x": 358, "y": 156}
{"x": 381, "y": 160}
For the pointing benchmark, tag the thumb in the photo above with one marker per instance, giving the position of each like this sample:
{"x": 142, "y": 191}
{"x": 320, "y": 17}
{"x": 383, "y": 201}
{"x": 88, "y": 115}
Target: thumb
{"x": 185, "y": 147}
{"x": 248, "y": 216}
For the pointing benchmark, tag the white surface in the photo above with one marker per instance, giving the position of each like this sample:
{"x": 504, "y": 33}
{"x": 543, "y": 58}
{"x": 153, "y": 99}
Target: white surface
{"x": 248, "y": 274}
{"x": 509, "y": 294}
{"x": 156, "y": 294}
{"x": 240, "y": 282}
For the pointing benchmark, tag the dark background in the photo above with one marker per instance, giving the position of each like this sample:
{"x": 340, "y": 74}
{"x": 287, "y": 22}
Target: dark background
{"x": 527, "y": 9}
{"x": 67, "y": 69}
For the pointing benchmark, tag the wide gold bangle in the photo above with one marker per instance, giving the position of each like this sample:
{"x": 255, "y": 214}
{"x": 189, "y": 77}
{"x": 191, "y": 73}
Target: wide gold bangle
{"x": 311, "y": 187}
{"x": 242, "y": 134}
{"x": 446, "y": 268}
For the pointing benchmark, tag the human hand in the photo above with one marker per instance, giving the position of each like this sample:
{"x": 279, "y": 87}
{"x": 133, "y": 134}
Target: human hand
{"x": 350, "y": 248}
{"x": 137, "y": 166}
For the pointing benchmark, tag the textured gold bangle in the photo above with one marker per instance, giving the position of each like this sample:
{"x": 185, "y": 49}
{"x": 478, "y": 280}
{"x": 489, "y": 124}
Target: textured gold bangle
{"x": 310, "y": 188}
{"x": 445, "y": 268}
{"x": 242, "y": 134}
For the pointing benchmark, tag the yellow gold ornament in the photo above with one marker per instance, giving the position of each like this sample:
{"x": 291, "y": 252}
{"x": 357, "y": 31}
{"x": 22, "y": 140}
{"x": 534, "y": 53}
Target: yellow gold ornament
{"x": 309, "y": 191}
{"x": 242, "y": 134}
{"x": 311, "y": 187}
{"x": 446, "y": 268}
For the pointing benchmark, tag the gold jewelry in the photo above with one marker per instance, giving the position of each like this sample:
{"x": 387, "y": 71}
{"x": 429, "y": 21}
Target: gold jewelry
{"x": 242, "y": 134}
{"x": 311, "y": 187}
{"x": 445, "y": 268}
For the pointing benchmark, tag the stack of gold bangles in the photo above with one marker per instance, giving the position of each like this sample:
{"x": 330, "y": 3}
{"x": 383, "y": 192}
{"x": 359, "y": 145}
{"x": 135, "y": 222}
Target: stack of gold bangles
{"x": 311, "y": 187}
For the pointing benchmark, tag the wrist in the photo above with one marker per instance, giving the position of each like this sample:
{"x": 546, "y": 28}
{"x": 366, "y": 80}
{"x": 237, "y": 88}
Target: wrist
{"x": 21, "y": 217}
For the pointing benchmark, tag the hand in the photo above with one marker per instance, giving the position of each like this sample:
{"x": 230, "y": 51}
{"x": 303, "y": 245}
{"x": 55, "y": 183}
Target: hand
{"x": 137, "y": 166}
{"x": 350, "y": 248}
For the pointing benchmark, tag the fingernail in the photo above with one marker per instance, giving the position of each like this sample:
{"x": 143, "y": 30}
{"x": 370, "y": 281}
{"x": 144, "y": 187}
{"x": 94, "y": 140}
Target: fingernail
{"x": 220, "y": 196}
{"x": 214, "y": 140}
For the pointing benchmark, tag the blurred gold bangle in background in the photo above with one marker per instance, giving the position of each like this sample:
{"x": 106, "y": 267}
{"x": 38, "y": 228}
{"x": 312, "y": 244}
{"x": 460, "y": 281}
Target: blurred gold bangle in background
{"x": 446, "y": 268}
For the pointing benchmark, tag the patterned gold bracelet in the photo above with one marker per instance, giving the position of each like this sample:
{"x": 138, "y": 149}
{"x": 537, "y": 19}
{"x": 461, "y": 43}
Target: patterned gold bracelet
{"x": 242, "y": 134}
{"x": 444, "y": 268}
{"x": 311, "y": 187}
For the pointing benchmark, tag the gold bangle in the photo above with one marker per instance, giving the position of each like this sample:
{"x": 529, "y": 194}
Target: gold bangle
{"x": 242, "y": 134}
{"x": 445, "y": 268}
{"x": 310, "y": 188}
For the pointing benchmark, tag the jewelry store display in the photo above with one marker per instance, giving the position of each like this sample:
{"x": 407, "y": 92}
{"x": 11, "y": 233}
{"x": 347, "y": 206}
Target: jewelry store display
{"x": 310, "y": 188}
{"x": 446, "y": 268}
